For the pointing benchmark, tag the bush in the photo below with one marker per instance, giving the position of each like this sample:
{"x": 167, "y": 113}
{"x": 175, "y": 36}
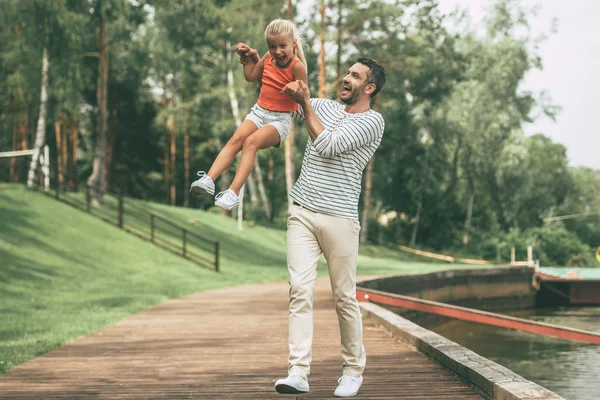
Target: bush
{"x": 551, "y": 246}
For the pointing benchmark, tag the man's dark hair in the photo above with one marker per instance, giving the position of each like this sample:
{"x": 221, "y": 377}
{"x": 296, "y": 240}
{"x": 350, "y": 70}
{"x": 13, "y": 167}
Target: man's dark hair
{"x": 375, "y": 75}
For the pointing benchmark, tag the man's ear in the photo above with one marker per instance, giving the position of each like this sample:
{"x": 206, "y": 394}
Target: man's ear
{"x": 370, "y": 88}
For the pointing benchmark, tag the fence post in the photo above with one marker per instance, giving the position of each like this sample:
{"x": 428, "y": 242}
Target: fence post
{"x": 87, "y": 198}
{"x": 120, "y": 212}
{"x": 184, "y": 241}
{"x": 217, "y": 256}
{"x": 152, "y": 228}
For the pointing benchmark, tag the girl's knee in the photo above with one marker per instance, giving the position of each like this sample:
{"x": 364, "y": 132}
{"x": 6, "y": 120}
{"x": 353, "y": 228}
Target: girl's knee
{"x": 251, "y": 144}
{"x": 236, "y": 142}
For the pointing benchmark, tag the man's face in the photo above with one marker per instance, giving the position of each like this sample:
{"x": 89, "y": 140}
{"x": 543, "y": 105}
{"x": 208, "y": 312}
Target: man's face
{"x": 354, "y": 83}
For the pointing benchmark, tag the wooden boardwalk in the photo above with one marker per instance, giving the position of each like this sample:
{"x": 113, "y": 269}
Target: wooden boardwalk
{"x": 223, "y": 344}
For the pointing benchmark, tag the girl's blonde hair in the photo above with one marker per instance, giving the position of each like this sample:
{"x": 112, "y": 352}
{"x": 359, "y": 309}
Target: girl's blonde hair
{"x": 286, "y": 27}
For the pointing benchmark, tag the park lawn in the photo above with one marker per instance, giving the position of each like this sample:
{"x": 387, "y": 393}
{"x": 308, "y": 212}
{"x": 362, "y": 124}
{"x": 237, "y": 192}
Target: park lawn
{"x": 65, "y": 274}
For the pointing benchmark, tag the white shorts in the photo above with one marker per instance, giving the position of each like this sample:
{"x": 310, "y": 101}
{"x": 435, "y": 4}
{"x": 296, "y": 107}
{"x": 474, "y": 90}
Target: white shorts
{"x": 282, "y": 121}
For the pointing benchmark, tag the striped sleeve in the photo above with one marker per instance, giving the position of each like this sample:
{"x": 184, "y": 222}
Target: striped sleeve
{"x": 350, "y": 136}
{"x": 299, "y": 113}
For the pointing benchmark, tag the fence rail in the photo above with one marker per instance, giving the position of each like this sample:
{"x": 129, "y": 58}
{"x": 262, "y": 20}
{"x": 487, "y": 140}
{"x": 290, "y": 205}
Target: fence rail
{"x": 143, "y": 223}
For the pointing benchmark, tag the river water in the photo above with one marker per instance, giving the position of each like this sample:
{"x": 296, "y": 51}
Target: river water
{"x": 570, "y": 369}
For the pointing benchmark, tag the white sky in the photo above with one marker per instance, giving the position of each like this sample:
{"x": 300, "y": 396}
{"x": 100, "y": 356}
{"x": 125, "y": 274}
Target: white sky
{"x": 571, "y": 73}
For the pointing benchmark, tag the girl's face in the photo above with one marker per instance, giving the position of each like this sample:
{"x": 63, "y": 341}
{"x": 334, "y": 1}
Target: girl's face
{"x": 281, "y": 48}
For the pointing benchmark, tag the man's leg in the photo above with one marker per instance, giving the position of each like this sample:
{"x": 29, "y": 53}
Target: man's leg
{"x": 339, "y": 241}
{"x": 303, "y": 252}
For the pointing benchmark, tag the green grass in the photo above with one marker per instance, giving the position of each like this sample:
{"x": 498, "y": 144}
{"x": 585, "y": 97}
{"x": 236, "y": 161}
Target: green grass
{"x": 65, "y": 274}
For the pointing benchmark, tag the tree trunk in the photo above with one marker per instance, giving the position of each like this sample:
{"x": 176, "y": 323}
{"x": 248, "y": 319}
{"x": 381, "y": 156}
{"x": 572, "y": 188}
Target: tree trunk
{"x": 367, "y": 205}
{"x": 110, "y": 147}
{"x": 467, "y": 232}
{"x": 413, "y": 238}
{"x": 166, "y": 161}
{"x": 186, "y": 159}
{"x": 13, "y": 160}
{"x": 59, "y": 153}
{"x": 261, "y": 190}
{"x": 322, "y": 77}
{"x": 74, "y": 130}
{"x": 338, "y": 66}
{"x": 40, "y": 134}
{"x": 96, "y": 180}
{"x": 172, "y": 175}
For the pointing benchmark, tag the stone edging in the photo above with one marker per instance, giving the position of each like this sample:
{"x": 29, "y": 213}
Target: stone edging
{"x": 490, "y": 379}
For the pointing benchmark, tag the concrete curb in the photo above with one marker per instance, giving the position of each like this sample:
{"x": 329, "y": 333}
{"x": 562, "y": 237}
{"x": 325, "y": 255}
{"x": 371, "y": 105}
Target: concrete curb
{"x": 491, "y": 379}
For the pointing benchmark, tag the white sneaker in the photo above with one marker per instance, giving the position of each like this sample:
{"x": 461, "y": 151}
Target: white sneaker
{"x": 293, "y": 384}
{"x": 348, "y": 386}
{"x": 227, "y": 200}
{"x": 205, "y": 183}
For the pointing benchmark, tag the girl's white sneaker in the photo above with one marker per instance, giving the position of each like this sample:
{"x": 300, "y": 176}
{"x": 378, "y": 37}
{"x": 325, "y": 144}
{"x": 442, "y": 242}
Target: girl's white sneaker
{"x": 204, "y": 184}
{"x": 227, "y": 200}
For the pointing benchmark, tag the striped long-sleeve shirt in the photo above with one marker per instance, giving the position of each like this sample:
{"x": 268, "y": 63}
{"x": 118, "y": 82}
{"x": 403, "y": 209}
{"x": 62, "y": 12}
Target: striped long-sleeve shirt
{"x": 332, "y": 167}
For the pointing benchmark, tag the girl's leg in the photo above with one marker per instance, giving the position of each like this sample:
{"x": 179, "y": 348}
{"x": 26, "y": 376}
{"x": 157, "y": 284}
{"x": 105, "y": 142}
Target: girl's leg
{"x": 233, "y": 146}
{"x": 266, "y": 136}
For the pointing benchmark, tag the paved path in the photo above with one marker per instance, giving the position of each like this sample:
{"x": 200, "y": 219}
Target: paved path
{"x": 223, "y": 344}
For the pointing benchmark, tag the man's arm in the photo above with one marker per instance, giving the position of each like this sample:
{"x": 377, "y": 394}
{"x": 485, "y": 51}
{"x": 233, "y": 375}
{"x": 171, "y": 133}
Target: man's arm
{"x": 329, "y": 143}
{"x": 355, "y": 134}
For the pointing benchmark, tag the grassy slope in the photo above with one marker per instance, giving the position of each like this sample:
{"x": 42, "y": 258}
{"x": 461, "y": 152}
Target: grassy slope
{"x": 65, "y": 274}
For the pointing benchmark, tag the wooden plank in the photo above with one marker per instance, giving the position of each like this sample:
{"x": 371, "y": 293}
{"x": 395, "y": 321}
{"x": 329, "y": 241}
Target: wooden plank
{"x": 224, "y": 344}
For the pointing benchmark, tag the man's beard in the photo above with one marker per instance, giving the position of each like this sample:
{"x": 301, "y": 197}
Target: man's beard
{"x": 354, "y": 96}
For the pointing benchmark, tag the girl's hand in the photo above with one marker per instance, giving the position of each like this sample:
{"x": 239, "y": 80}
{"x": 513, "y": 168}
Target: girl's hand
{"x": 253, "y": 55}
{"x": 242, "y": 49}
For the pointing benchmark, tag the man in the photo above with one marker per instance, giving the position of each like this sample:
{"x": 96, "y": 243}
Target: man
{"x": 324, "y": 218}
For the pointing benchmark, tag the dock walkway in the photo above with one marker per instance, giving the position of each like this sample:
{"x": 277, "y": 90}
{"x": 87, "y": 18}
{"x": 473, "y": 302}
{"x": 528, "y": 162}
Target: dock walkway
{"x": 223, "y": 344}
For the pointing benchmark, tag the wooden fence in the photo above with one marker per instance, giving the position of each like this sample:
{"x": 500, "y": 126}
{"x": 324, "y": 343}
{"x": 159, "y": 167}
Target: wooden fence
{"x": 144, "y": 223}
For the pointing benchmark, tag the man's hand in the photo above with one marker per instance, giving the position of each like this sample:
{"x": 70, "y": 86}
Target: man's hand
{"x": 298, "y": 91}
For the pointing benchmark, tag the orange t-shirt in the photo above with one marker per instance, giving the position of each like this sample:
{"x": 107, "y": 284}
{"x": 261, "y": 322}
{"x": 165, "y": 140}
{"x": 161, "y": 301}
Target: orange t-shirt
{"x": 273, "y": 80}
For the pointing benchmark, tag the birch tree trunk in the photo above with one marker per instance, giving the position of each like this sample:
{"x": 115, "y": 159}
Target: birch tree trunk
{"x": 40, "y": 134}
{"x": 96, "y": 180}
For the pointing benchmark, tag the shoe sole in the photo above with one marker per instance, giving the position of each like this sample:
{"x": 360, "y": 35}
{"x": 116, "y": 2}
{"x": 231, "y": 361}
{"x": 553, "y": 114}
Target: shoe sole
{"x": 202, "y": 189}
{"x": 286, "y": 389}
{"x": 225, "y": 206}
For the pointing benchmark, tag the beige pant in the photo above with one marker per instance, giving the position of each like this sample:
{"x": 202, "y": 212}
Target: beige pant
{"x": 310, "y": 234}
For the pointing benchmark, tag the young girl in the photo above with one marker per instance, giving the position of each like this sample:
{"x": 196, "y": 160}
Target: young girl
{"x": 269, "y": 120}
